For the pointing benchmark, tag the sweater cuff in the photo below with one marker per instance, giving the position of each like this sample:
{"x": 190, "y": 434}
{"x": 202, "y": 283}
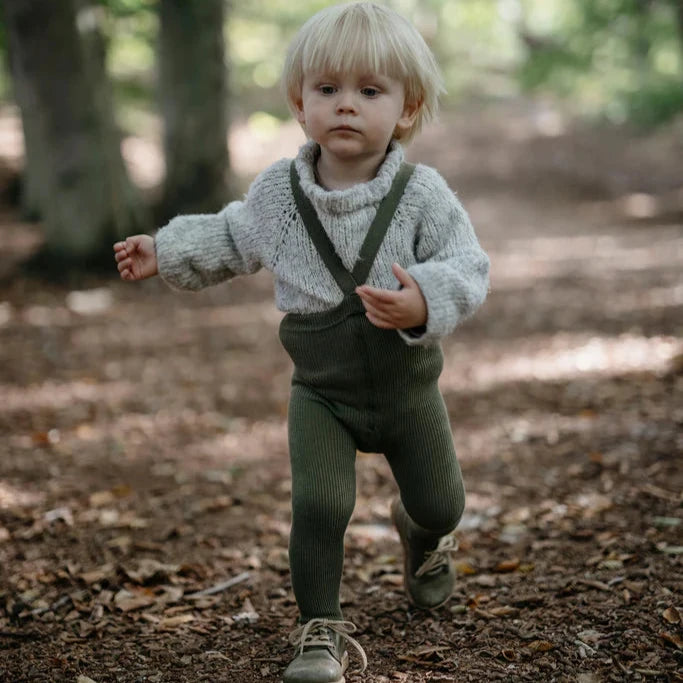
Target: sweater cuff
{"x": 442, "y": 315}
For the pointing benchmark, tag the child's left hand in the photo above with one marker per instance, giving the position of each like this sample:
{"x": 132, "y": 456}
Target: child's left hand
{"x": 395, "y": 309}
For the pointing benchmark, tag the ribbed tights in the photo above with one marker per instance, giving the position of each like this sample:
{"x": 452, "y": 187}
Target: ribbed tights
{"x": 419, "y": 450}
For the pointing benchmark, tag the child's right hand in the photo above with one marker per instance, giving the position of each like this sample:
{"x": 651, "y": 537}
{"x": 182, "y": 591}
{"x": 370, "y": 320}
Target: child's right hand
{"x": 136, "y": 257}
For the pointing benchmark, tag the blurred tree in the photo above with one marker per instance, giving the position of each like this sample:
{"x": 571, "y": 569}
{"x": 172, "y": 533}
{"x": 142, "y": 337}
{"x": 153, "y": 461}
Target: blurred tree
{"x": 626, "y": 56}
{"x": 193, "y": 85}
{"x": 75, "y": 176}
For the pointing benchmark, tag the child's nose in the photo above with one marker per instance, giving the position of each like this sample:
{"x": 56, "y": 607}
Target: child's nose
{"x": 346, "y": 102}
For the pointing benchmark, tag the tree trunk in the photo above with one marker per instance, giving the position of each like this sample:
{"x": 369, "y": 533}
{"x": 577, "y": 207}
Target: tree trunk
{"x": 193, "y": 84}
{"x": 76, "y": 177}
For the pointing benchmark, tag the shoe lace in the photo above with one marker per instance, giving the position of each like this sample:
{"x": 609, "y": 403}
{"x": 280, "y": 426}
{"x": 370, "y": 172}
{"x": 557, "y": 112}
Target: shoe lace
{"x": 317, "y": 633}
{"x": 438, "y": 558}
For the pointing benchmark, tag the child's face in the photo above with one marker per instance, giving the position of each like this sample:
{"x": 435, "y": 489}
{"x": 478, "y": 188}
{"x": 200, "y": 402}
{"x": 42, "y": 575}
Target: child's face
{"x": 353, "y": 116}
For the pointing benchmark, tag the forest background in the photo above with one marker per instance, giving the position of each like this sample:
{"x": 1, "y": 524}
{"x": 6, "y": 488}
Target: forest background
{"x": 177, "y": 74}
{"x": 144, "y": 474}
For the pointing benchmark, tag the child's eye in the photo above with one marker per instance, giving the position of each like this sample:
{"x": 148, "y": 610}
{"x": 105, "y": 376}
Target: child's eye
{"x": 327, "y": 89}
{"x": 370, "y": 92}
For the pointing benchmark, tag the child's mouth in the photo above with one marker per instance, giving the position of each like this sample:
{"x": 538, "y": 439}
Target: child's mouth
{"x": 344, "y": 129}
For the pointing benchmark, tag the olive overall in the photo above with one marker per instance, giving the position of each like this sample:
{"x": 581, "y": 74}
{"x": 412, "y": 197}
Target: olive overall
{"x": 356, "y": 386}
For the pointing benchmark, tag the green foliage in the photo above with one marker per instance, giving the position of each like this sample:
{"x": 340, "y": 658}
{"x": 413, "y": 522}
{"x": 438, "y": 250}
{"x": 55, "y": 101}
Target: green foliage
{"x": 128, "y": 8}
{"x": 622, "y": 59}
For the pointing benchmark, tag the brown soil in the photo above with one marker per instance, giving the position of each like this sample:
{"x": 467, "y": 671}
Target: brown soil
{"x": 143, "y": 453}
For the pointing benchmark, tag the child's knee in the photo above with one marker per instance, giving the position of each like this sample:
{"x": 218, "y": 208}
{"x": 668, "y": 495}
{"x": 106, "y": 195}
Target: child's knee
{"x": 440, "y": 514}
{"x": 331, "y": 511}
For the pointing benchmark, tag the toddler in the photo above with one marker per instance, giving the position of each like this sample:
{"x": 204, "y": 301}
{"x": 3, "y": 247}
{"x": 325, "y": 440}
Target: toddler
{"x": 374, "y": 261}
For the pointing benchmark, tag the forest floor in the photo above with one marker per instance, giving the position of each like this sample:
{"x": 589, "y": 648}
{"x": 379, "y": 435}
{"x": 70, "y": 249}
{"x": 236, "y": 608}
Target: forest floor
{"x": 143, "y": 455}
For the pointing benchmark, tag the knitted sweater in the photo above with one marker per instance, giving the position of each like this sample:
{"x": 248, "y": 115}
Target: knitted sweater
{"x": 430, "y": 236}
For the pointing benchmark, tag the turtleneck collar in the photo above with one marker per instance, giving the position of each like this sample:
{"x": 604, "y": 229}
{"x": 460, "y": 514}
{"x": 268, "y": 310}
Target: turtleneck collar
{"x": 352, "y": 198}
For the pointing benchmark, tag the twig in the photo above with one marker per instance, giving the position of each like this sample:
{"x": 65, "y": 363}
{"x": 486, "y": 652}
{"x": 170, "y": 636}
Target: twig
{"x": 52, "y": 608}
{"x": 219, "y": 587}
{"x": 662, "y": 494}
{"x": 621, "y": 666}
{"x": 593, "y": 584}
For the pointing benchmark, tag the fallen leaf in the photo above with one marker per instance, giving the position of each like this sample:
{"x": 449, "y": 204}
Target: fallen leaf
{"x": 540, "y": 646}
{"x": 465, "y": 568}
{"x": 487, "y": 580}
{"x": 127, "y": 601}
{"x": 672, "y": 639}
{"x": 528, "y": 601}
{"x": 248, "y": 613}
{"x": 474, "y": 600}
{"x": 611, "y": 564}
{"x": 100, "y": 499}
{"x": 508, "y": 565}
{"x": 672, "y": 615}
{"x": 97, "y": 575}
{"x": 392, "y": 579}
{"x": 150, "y": 570}
{"x": 174, "y": 622}
{"x": 590, "y": 636}
{"x": 504, "y": 611}
{"x": 61, "y": 514}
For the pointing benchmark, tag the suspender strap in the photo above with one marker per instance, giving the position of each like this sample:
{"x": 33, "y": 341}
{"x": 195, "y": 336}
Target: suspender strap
{"x": 319, "y": 237}
{"x": 380, "y": 225}
{"x": 366, "y": 256}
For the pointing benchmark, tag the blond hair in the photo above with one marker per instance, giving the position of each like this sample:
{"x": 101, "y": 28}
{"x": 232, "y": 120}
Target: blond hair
{"x": 360, "y": 37}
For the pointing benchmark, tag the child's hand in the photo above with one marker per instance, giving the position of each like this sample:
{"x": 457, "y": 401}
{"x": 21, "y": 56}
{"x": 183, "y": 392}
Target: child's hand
{"x": 136, "y": 257}
{"x": 395, "y": 310}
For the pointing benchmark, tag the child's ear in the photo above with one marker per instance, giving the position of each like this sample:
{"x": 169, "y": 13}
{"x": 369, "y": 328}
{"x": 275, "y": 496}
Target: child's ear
{"x": 408, "y": 116}
{"x": 299, "y": 107}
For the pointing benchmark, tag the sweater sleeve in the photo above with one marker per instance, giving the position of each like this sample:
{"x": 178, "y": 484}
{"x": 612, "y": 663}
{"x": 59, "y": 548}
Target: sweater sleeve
{"x": 197, "y": 251}
{"x": 452, "y": 269}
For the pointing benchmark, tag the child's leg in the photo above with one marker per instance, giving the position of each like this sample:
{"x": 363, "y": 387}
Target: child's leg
{"x": 323, "y": 456}
{"x": 422, "y": 457}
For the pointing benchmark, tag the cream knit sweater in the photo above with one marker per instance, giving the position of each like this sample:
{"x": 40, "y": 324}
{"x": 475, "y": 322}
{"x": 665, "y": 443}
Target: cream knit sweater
{"x": 430, "y": 236}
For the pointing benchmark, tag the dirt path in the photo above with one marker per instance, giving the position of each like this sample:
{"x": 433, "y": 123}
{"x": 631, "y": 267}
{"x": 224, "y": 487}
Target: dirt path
{"x": 143, "y": 452}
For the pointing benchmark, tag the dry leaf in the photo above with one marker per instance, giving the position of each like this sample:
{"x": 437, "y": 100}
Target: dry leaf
{"x": 508, "y": 565}
{"x": 672, "y": 639}
{"x": 174, "y": 622}
{"x": 97, "y": 575}
{"x": 127, "y": 601}
{"x": 392, "y": 579}
{"x": 248, "y": 613}
{"x": 465, "y": 568}
{"x": 100, "y": 499}
{"x": 149, "y": 570}
{"x": 540, "y": 646}
{"x": 504, "y": 611}
{"x": 590, "y": 636}
{"x": 487, "y": 580}
{"x": 672, "y": 615}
